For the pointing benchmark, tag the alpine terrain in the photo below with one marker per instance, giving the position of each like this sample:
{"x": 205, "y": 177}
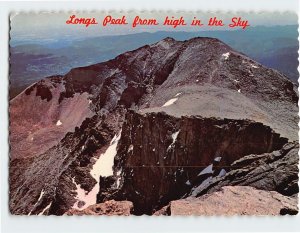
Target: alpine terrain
{"x": 172, "y": 128}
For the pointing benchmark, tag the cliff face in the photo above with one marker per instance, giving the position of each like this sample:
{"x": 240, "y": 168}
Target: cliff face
{"x": 66, "y": 132}
{"x": 167, "y": 156}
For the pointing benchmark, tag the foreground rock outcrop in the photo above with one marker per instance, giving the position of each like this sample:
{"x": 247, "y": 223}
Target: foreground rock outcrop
{"x": 109, "y": 208}
{"x": 234, "y": 200}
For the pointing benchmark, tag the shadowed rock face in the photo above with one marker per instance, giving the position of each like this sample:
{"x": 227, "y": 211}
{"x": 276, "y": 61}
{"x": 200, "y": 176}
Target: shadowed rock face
{"x": 217, "y": 103}
{"x": 165, "y": 155}
{"x": 233, "y": 200}
{"x": 42, "y": 90}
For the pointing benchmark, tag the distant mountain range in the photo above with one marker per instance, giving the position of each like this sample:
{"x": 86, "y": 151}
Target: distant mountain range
{"x": 275, "y": 47}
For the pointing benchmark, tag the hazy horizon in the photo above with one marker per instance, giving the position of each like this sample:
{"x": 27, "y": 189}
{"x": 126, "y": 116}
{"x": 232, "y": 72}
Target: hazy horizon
{"x": 52, "y": 27}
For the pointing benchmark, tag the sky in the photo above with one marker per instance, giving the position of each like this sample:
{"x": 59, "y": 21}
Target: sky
{"x": 52, "y": 26}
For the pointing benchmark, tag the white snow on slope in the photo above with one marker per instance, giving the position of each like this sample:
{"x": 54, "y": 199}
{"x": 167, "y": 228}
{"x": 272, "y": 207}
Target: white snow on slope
{"x": 58, "y": 123}
{"x": 118, "y": 182}
{"x": 46, "y": 208}
{"x": 174, "y": 137}
{"x": 103, "y": 167}
{"x": 84, "y": 196}
{"x": 254, "y": 66}
{"x": 81, "y": 195}
{"x": 222, "y": 173}
{"x": 178, "y": 94}
{"x": 40, "y": 197}
{"x": 239, "y": 90}
{"x": 226, "y": 55}
{"x": 119, "y": 172}
{"x": 206, "y": 170}
{"x": 170, "y": 102}
{"x": 218, "y": 159}
{"x": 104, "y": 164}
{"x": 130, "y": 148}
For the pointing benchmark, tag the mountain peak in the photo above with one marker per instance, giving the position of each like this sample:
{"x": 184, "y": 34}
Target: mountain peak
{"x": 169, "y": 39}
{"x": 218, "y": 104}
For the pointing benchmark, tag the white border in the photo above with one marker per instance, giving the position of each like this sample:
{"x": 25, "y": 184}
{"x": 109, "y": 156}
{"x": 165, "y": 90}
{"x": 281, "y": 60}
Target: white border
{"x": 125, "y": 224}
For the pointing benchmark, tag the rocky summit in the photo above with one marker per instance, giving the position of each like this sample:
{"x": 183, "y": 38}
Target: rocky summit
{"x": 172, "y": 124}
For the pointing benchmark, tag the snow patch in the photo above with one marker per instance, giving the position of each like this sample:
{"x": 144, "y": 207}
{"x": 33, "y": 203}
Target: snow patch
{"x": 58, "y": 123}
{"x": 178, "y": 94}
{"x": 174, "y": 137}
{"x": 88, "y": 198}
{"x": 41, "y": 195}
{"x": 207, "y": 170}
{"x": 218, "y": 159}
{"x": 239, "y": 90}
{"x": 254, "y": 66}
{"x": 119, "y": 172}
{"x": 102, "y": 167}
{"x": 118, "y": 182}
{"x": 170, "y": 102}
{"x": 130, "y": 148}
{"x": 188, "y": 183}
{"x": 46, "y": 208}
{"x": 104, "y": 164}
{"x": 222, "y": 173}
{"x": 226, "y": 55}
